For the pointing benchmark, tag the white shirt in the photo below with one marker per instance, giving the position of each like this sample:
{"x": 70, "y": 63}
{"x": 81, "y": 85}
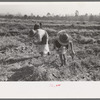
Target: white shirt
{"x": 43, "y": 47}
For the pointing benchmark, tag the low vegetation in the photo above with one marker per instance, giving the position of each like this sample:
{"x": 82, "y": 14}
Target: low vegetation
{"x": 20, "y": 61}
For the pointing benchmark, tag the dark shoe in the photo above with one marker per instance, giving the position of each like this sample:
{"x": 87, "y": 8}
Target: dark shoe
{"x": 49, "y": 53}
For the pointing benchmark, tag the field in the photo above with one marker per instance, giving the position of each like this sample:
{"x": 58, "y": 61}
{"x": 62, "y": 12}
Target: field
{"x": 20, "y": 61}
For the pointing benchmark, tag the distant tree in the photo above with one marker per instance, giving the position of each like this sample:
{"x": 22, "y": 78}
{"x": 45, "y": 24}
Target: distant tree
{"x": 86, "y": 17}
{"x": 57, "y": 16}
{"x": 91, "y": 17}
{"x": 48, "y": 14}
{"x": 38, "y": 16}
{"x": 10, "y": 16}
{"x": 81, "y": 18}
{"x": 86, "y": 14}
{"x": 76, "y": 13}
{"x": 25, "y": 16}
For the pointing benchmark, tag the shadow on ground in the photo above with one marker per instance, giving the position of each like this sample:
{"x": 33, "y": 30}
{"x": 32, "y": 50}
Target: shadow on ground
{"x": 33, "y": 73}
{"x": 12, "y": 60}
{"x": 22, "y": 74}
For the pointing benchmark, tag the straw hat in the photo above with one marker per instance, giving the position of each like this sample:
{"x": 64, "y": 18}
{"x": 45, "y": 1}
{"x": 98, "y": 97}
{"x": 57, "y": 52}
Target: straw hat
{"x": 63, "y": 38}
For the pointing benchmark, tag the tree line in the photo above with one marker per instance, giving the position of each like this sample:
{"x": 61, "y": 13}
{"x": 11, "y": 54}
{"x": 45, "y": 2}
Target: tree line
{"x": 76, "y": 17}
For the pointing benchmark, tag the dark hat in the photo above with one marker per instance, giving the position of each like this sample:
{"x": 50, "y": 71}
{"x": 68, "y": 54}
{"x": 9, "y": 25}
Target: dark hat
{"x": 36, "y": 26}
{"x": 63, "y": 38}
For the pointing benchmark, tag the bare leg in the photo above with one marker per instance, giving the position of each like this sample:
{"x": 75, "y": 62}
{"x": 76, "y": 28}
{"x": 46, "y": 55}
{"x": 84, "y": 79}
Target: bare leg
{"x": 64, "y": 59}
{"x": 61, "y": 59}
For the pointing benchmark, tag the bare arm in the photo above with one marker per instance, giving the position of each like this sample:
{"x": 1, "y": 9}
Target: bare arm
{"x": 72, "y": 51}
{"x": 71, "y": 45}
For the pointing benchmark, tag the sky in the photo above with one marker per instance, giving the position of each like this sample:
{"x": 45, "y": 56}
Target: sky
{"x": 56, "y": 8}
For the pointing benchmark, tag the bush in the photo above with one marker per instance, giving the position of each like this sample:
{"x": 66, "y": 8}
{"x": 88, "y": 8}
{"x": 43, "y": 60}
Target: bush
{"x": 96, "y": 49}
{"x": 51, "y": 32}
{"x": 8, "y": 42}
{"x": 25, "y": 32}
{"x": 3, "y": 32}
{"x": 81, "y": 54}
{"x": 91, "y": 62}
{"x": 89, "y": 51}
{"x": 83, "y": 22}
{"x": 75, "y": 68}
{"x": 85, "y": 40}
{"x": 14, "y": 32}
{"x": 98, "y": 41}
{"x": 39, "y": 73}
{"x": 85, "y": 32}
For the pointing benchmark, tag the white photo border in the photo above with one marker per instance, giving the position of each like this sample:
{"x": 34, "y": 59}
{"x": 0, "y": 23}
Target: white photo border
{"x": 49, "y": 89}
